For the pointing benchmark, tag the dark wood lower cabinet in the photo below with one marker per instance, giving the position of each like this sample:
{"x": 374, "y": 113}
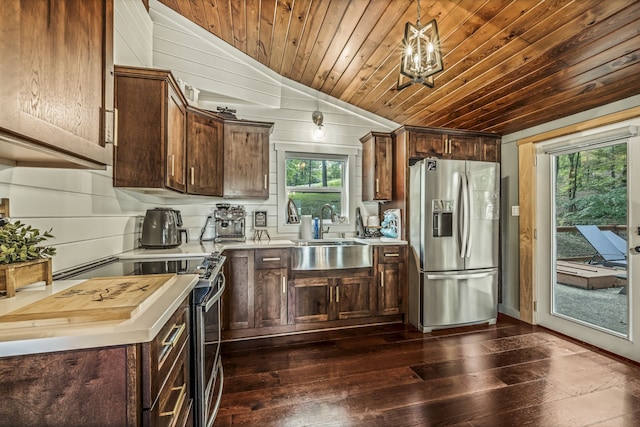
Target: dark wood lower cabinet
{"x": 264, "y": 297}
{"x": 144, "y": 384}
{"x": 270, "y": 292}
{"x": 342, "y": 294}
{"x": 71, "y": 388}
{"x": 391, "y": 276}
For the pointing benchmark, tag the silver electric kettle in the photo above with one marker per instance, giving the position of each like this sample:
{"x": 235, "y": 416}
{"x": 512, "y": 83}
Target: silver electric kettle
{"x": 162, "y": 228}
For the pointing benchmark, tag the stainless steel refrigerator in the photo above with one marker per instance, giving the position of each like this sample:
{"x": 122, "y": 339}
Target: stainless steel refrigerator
{"x": 454, "y": 238}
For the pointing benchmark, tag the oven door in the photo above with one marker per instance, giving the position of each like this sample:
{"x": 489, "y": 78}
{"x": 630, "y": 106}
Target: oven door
{"x": 207, "y": 363}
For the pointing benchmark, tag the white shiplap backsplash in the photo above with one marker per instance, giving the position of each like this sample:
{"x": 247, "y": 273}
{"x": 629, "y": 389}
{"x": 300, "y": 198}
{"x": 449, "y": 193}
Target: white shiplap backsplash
{"x": 92, "y": 220}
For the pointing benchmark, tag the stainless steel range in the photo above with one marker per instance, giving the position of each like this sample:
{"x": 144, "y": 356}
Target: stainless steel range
{"x": 208, "y": 376}
{"x": 206, "y": 365}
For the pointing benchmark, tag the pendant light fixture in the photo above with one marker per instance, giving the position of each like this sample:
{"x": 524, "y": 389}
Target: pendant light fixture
{"x": 421, "y": 57}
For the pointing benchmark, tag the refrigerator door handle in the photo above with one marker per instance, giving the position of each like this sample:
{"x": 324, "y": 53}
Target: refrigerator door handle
{"x": 467, "y": 211}
{"x": 478, "y": 275}
{"x": 462, "y": 235}
{"x": 464, "y": 215}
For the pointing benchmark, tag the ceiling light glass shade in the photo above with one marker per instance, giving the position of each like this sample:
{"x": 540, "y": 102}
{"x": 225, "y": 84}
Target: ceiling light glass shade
{"x": 421, "y": 57}
{"x": 318, "y": 133}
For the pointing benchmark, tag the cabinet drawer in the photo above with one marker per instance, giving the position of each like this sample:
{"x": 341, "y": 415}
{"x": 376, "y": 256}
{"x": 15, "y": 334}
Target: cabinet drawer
{"x": 160, "y": 355}
{"x": 391, "y": 254}
{"x": 271, "y": 258}
{"x": 174, "y": 402}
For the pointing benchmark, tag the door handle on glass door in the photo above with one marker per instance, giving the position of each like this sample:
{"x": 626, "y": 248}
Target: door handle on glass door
{"x": 637, "y": 248}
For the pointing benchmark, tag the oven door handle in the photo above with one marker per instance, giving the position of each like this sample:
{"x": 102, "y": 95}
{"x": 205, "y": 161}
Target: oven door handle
{"x": 214, "y": 411}
{"x": 216, "y": 297}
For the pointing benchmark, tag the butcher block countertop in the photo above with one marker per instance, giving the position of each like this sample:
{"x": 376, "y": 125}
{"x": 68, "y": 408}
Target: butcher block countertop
{"x": 134, "y": 319}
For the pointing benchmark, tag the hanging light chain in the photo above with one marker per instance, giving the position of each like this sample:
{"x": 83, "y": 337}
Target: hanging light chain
{"x": 418, "y": 23}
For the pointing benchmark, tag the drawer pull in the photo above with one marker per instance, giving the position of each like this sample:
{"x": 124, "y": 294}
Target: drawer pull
{"x": 174, "y": 336}
{"x": 392, "y": 255}
{"x": 270, "y": 259}
{"x": 179, "y": 402}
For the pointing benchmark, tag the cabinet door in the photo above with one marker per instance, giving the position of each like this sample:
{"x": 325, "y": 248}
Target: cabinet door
{"x": 310, "y": 300}
{"x": 377, "y": 164}
{"x": 176, "y": 144}
{"x": 489, "y": 150}
{"x": 57, "y": 82}
{"x": 355, "y": 297}
{"x": 462, "y": 147}
{"x": 424, "y": 144}
{"x": 238, "y": 309}
{"x": 391, "y": 278}
{"x": 271, "y": 297}
{"x": 204, "y": 154}
{"x": 246, "y": 161}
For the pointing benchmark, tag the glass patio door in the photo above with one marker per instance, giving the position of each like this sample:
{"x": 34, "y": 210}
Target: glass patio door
{"x": 587, "y": 204}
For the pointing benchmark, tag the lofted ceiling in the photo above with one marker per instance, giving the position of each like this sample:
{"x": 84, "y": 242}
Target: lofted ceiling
{"x": 508, "y": 65}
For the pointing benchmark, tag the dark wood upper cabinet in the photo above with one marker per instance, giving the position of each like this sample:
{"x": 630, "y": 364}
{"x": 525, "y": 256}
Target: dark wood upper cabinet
{"x": 164, "y": 144}
{"x": 57, "y": 83}
{"x": 150, "y": 150}
{"x": 205, "y": 158}
{"x": 450, "y": 144}
{"x": 377, "y": 166}
{"x": 246, "y": 159}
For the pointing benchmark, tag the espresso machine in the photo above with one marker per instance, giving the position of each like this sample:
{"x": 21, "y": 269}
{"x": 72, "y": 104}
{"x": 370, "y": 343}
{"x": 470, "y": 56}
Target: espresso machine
{"x": 229, "y": 223}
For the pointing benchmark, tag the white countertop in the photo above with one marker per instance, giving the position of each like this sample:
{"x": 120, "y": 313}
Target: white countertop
{"x": 201, "y": 249}
{"x": 16, "y": 338}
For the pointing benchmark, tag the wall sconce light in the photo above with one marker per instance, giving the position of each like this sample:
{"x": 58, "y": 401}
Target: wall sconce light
{"x": 421, "y": 57}
{"x": 318, "y": 130}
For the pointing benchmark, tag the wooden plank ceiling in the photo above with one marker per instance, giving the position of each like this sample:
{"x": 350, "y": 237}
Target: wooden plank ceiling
{"x": 509, "y": 65}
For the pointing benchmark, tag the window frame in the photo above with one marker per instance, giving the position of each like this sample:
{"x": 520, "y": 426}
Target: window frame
{"x": 283, "y": 151}
{"x": 332, "y": 190}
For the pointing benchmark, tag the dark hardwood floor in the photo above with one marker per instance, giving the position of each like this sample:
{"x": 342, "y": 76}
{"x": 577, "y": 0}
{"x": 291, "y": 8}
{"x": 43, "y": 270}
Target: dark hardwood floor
{"x": 510, "y": 374}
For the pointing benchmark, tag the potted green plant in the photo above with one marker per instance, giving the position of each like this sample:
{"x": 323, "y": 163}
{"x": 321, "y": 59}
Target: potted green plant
{"x": 23, "y": 260}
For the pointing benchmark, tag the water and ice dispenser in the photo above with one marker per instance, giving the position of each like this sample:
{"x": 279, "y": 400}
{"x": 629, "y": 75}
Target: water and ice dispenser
{"x": 442, "y": 211}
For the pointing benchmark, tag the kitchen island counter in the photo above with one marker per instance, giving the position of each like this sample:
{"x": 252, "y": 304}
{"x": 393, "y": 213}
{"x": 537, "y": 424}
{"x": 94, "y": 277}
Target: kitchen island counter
{"x": 20, "y": 338}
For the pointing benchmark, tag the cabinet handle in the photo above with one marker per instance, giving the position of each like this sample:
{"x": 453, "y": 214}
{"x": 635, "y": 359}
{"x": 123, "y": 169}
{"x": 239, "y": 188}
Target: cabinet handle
{"x": 330, "y": 295}
{"x": 174, "y": 336}
{"x": 173, "y": 164}
{"x": 176, "y": 408}
{"x": 266, "y": 184}
{"x": 115, "y": 127}
{"x": 337, "y": 293}
{"x": 193, "y": 175}
{"x": 381, "y": 276}
{"x": 377, "y": 185}
{"x": 395, "y": 255}
{"x": 270, "y": 259}
{"x": 284, "y": 285}
{"x": 449, "y": 146}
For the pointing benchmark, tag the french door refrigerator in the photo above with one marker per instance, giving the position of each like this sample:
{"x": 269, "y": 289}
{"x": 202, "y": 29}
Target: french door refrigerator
{"x": 454, "y": 237}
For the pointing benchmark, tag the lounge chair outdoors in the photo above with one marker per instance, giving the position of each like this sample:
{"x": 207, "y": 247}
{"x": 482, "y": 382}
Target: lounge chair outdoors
{"x": 609, "y": 249}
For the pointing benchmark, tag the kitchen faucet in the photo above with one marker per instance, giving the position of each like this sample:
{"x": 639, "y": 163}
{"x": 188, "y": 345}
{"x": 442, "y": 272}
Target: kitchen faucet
{"x": 333, "y": 214}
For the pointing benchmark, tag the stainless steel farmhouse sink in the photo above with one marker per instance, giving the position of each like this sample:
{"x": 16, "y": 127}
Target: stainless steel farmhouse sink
{"x": 331, "y": 254}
